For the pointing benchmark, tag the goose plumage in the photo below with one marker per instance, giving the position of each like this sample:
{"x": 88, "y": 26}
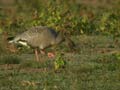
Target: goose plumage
{"x": 40, "y": 37}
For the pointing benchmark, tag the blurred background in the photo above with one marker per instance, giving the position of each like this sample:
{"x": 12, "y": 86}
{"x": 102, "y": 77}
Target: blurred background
{"x": 75, "y": 16}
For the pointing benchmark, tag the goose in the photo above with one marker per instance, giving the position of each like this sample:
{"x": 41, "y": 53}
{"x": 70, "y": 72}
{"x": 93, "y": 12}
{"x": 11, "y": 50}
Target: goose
{"x": 41, "y": 37}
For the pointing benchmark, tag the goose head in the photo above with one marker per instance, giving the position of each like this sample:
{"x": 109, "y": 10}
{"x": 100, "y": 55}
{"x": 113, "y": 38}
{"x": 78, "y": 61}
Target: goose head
{"x": 59, "y": 37}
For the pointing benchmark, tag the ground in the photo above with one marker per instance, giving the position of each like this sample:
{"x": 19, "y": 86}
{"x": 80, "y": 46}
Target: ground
{"x": 93, "y": 66}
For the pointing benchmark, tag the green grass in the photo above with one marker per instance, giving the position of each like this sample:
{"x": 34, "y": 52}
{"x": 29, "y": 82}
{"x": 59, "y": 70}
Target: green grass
{"x": 91, "y": 68}
{"x": 10, "y": 59}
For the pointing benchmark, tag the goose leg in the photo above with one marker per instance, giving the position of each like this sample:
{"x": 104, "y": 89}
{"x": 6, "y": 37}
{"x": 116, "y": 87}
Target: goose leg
{"x": 42, "y": 52}
{"x": 36, "y": 55}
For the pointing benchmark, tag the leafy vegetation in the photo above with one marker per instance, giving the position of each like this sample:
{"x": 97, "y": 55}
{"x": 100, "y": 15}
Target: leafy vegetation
{"x": 59, "y": 62}
{"x": 74, "y": 17}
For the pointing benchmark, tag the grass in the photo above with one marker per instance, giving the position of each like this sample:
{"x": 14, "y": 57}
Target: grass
{"x": 9, "y": 59}
{"x": 86, "y": 70}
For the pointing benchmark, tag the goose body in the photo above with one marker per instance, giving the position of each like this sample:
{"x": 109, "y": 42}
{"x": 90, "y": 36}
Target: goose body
{"x": 39, "y": 37}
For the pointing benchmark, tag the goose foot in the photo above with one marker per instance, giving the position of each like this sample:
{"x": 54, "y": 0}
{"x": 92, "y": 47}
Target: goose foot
{"x": 51, "y": 55}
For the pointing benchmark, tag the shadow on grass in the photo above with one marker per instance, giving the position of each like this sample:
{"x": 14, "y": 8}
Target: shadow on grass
{"x": 10, "y": 59}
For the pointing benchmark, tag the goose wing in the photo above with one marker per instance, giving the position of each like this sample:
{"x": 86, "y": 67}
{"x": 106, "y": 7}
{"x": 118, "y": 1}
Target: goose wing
{"x": 37, "y": 37}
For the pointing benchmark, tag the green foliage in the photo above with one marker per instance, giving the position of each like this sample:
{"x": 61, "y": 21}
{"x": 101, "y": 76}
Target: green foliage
{"x": 117, "y": 56}
{"x": 75, "y": 18}
{"x": 108, "y": 23}
{"x": 59, "y": 62}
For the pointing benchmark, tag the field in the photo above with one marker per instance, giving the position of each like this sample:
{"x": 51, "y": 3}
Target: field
{"x": 93, "y": 25}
